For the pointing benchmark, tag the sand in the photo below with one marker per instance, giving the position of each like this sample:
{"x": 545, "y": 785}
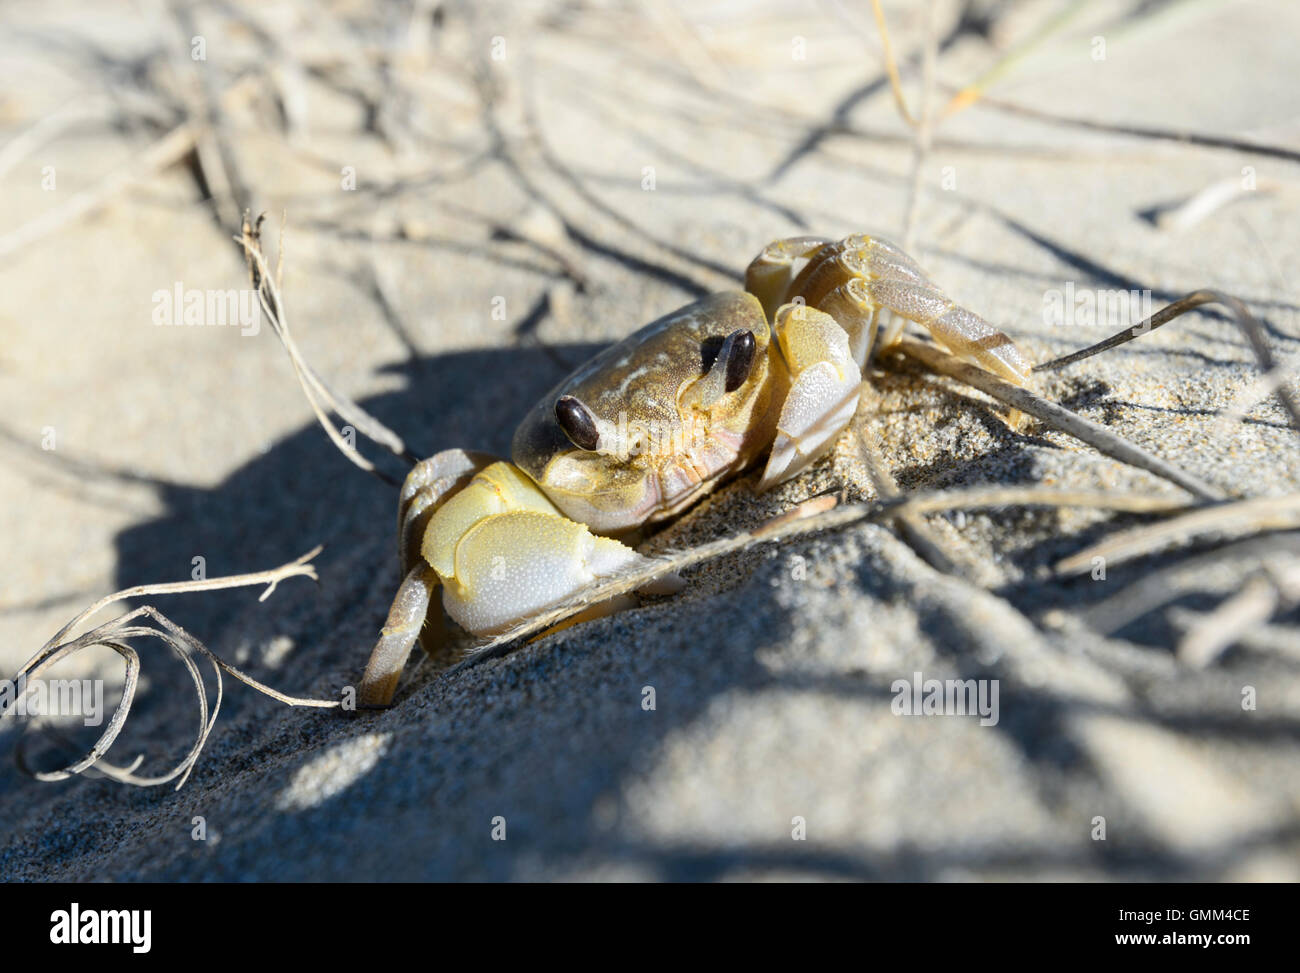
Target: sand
{"x": 522, "y": 186}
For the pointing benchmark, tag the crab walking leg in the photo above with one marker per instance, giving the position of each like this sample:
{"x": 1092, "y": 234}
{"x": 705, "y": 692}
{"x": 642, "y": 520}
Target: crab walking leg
{"x": 893, "y": 287}
{"x": 398, "y": 636}
{"x": 427, "y": 487}
{"x": 824, "y": 387}
{"x": 768, "y": 275}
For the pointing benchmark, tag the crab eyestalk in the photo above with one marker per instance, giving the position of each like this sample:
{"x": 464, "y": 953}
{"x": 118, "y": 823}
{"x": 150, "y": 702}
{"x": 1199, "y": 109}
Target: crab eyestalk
{"x": 728, "y": 370}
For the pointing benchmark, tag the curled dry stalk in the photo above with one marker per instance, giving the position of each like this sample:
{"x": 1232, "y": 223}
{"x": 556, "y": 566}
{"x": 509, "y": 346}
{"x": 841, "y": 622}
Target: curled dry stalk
{"x": 117, "y": 633}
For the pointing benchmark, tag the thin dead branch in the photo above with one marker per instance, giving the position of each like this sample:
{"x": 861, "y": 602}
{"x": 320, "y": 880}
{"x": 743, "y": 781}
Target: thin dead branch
{"x": 1056, "y": 416}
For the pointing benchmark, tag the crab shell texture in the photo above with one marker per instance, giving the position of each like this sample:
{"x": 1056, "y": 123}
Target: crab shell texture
{"x": 667, "y": 430}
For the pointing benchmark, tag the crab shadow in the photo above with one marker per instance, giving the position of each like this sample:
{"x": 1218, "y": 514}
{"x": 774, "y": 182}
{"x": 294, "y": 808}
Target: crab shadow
{"x": 301, "y": 492}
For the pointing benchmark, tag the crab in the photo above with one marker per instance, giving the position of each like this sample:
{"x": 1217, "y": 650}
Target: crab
{"x": 649, "y": 426}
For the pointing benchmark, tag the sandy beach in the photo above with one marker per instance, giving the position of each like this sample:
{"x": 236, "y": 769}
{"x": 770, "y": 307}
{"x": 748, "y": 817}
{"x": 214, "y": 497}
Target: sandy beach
{"x": 471, "y": 200}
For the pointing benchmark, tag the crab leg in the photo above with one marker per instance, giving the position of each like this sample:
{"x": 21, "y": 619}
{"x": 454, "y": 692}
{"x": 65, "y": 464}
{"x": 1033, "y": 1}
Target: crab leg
{"x": 769, "y": 274}
{"x": 866, "y": 283}
{"x": 429, "y": 484}
{"x": 397, "y": 638}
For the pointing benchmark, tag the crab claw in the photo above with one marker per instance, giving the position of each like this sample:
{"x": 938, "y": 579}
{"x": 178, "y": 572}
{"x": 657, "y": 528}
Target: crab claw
{"x": 825, "y": 382}
{"x": 501, "y": 552}
{"x": 504, "y": 552}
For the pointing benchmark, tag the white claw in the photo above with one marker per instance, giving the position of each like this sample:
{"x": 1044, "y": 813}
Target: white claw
{"x": 504, "y": 552}
{"x": 511, "y": 566}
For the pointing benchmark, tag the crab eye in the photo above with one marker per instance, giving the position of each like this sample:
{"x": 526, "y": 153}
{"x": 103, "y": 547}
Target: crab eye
{"x": 740, "y": 360}
{"x": 738, "y": 347}
{"x": 577, "y": 422}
